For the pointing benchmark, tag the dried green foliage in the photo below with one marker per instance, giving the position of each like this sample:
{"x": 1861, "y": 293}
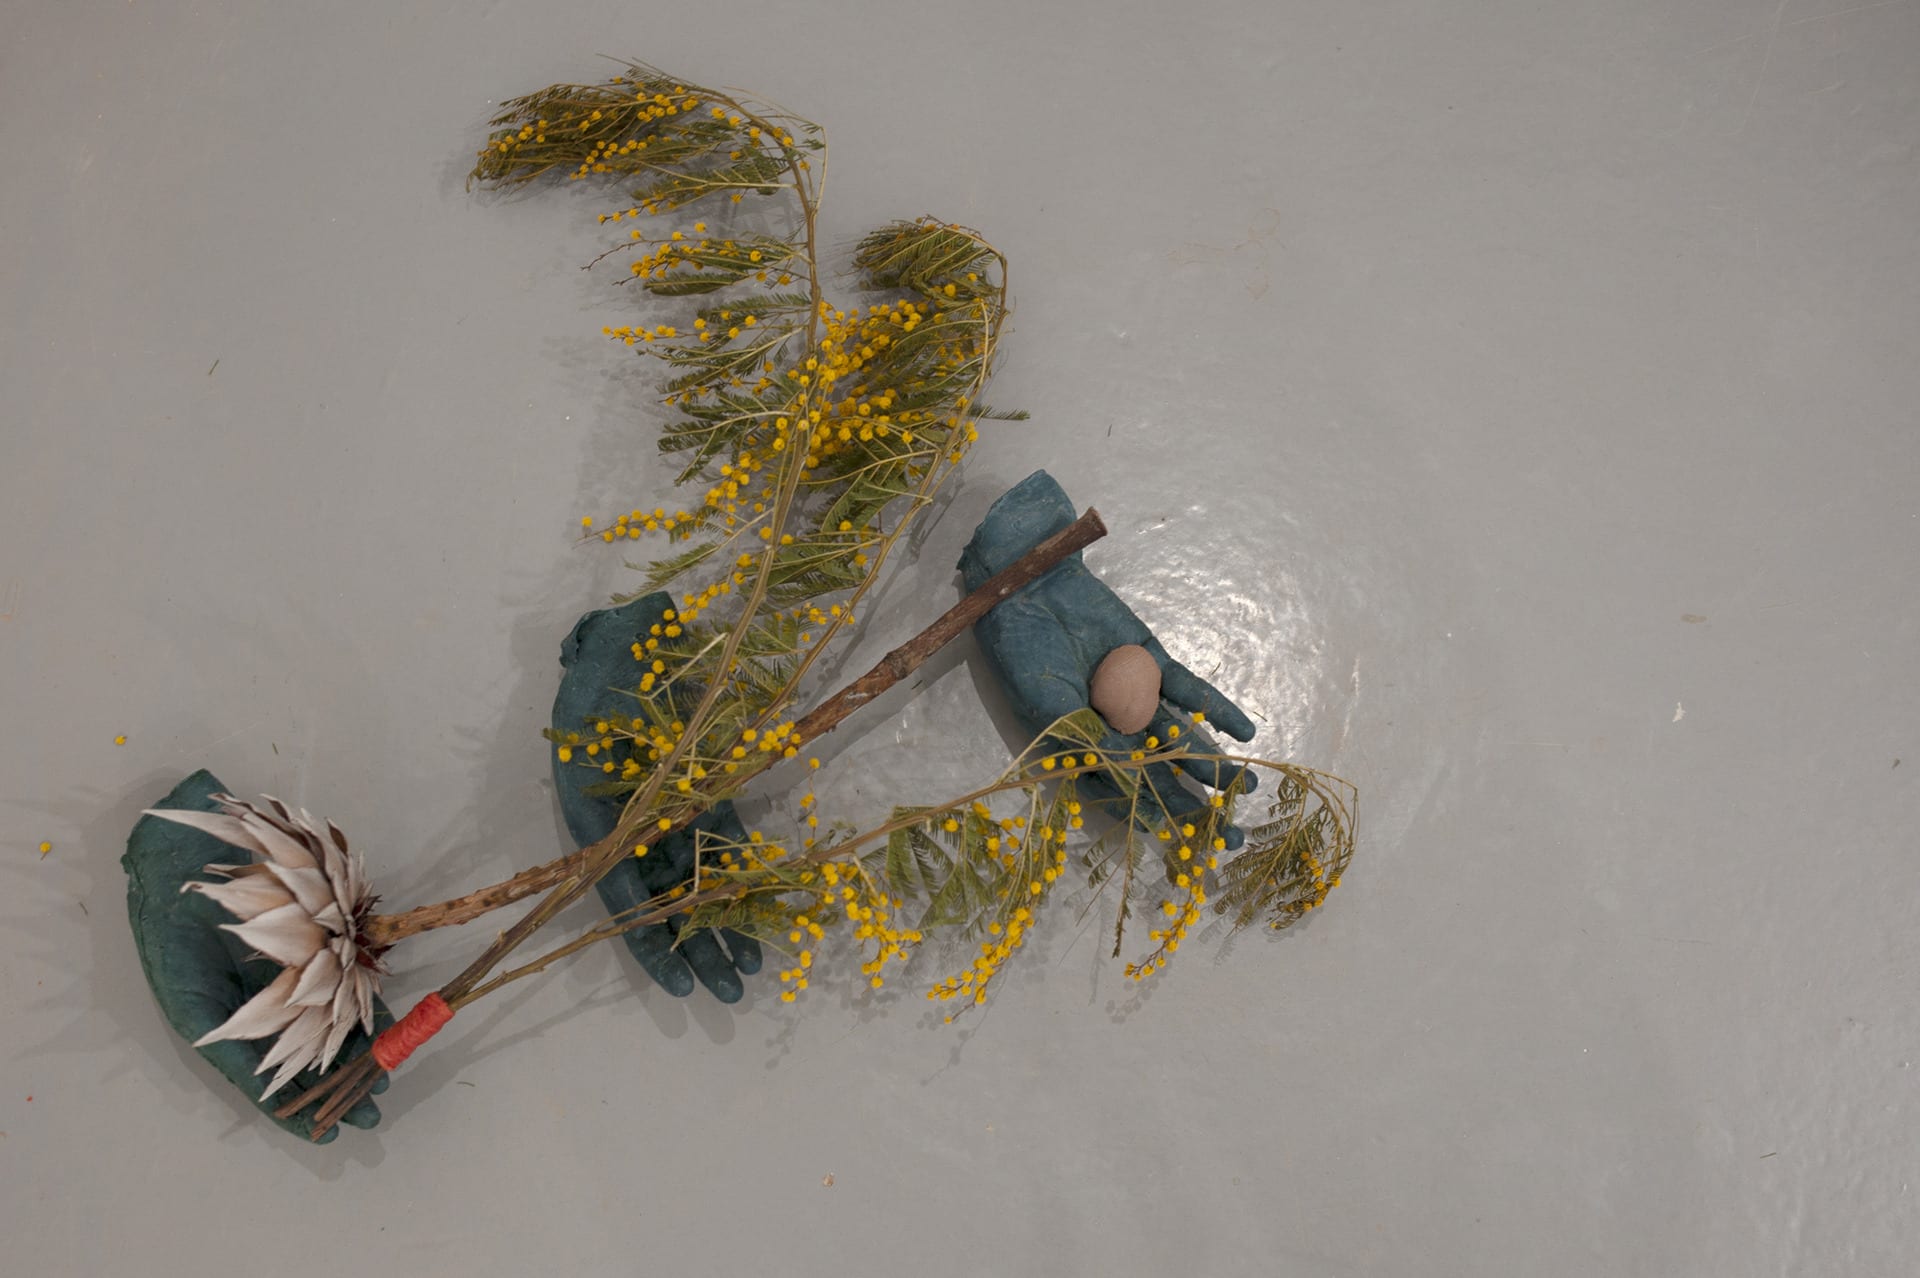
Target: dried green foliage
{"x": 1296, "y": 856}
{"x": 642, "y": 124}
{"x": 809, "y": 437}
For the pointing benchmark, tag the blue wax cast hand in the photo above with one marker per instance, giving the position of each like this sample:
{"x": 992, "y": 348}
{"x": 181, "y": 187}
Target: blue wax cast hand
{"x": 199, "y": 971}
{"x": 600, "y": 677}
{"x": 1045, "y": 641}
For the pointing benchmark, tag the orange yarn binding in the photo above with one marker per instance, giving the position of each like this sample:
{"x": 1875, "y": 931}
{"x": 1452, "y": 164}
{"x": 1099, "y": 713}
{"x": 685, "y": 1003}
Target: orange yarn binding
{"x": 398, "y": 1040}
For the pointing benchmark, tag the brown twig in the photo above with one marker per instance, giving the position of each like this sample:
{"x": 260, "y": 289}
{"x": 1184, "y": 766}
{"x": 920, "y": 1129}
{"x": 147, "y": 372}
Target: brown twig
{"x": 387, "y": 929}
{"x": 909, "y": 656}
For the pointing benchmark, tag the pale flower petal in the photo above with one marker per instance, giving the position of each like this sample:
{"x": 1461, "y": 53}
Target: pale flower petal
{"x": 243, "y": 897}
{"x": 298, "y": 1045}
{"x": 281, "y": 847}
{"x": 342, "y": 1026}
{"x": 222, "y": 826}
{"x": 307, "y": 1030}
{"x": 356, "y": 997}
{"x": 263, "y": 1014}
{"x": 288, "y": 1072}
{"x": 318, "y": 981}
{"x": 339, "y": 874}
{"x": 288, "y": 935}
{"x": 276, "y": 811}
{"x": 309, "y": 887}
{"x": 343, "y": 1007}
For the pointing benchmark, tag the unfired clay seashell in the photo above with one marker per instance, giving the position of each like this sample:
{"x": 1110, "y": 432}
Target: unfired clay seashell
{"x": 1126, "y": 688}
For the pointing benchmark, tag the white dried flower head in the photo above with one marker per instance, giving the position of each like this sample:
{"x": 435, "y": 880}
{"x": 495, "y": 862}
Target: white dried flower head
{"x": 303, "y": 903}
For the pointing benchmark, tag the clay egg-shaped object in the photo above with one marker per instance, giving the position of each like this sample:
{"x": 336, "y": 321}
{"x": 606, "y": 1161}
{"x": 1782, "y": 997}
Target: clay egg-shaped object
{"x": 1126, "y": 688}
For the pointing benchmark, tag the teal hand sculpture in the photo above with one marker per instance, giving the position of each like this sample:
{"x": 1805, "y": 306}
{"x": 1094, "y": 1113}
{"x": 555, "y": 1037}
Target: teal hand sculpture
{"x": 600, "y": 675}
{"x": 200, "y": 972}
{"x": 1047, "y": 639}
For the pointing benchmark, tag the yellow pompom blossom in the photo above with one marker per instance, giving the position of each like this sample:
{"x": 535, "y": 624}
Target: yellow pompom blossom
{"x": 1180, "y": 912}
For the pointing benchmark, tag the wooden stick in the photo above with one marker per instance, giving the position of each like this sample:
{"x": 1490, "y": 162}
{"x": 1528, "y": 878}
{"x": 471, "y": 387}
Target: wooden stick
{"x": 383, "y": 930}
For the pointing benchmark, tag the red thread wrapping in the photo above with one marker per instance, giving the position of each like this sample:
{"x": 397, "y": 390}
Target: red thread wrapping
{"x": 399, "y": 1040}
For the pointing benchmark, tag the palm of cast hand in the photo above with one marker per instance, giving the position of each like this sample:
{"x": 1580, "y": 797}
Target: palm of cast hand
{"x": 1046, "y": 640}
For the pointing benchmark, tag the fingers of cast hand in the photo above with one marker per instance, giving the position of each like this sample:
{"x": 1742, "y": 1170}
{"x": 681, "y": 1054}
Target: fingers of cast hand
{"x": 745, "y": 951}
{"x": 1192, "y": 693}
{"x": 1215, "y": 774}
{"x": 700, "y": 948}
{"x": 652, "y": 947}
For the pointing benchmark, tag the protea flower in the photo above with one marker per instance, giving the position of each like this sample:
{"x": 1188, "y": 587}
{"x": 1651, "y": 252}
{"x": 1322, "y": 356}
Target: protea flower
{"x": 302, "y": 902}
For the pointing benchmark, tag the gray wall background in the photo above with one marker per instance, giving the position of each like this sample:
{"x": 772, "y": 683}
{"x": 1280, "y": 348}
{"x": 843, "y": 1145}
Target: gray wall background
{"x": 1513, "y": 402}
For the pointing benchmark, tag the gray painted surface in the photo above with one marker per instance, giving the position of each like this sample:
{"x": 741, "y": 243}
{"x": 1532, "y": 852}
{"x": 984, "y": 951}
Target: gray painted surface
{"x": 1514, "y": 403}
